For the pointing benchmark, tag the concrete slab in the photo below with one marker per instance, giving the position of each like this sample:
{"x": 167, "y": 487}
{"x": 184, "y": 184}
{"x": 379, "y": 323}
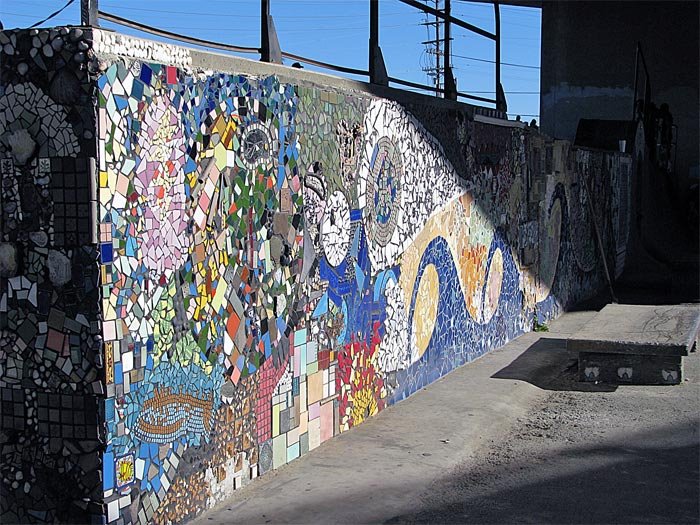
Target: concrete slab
{"x": 639, "y": 330}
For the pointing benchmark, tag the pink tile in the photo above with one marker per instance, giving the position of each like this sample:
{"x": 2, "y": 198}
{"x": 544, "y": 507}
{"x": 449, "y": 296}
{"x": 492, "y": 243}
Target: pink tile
{"x": 314, "y": 410}
{"x": 327, "y": 421}
{"x": 296, "y": 352}
{"x": 55, "y": 340}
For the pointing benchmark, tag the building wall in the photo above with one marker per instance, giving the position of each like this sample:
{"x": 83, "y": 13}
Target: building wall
{"x": 51, "y": 370}
{"x": 283, "y": 255}
{"x": 588, "y": 61}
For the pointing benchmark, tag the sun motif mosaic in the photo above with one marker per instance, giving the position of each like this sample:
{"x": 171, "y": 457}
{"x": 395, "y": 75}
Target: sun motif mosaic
{"x": 384, "y": 191}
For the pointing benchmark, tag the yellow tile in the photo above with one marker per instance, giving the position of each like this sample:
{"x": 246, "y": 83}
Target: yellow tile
{"x": 303, "y": 422}
{"x": 314, "y": 384}
{"x": 275, "y": 420}
{"x": 314, "y": 433}
{"x": 302, "y": 396}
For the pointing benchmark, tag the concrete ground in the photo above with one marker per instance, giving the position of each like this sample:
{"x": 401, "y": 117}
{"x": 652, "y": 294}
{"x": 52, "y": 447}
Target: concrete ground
{"x": 512, "y": 437}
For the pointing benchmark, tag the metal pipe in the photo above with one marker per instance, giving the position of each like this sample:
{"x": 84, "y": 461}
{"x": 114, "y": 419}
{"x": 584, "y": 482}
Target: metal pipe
{"x": 497, "y": 22}
{"x": 440, "y": 90}
{"x": 599, "y": 240}
{"x": 264, "y": 33}
{"x": 447, "y": 34}
{"x": 373, "y": 37}
{"x": 88, "y": 13}
{"x": 373, "y": 24}
{"x": 319, "y": 63}
{"x": 377, "y": 68}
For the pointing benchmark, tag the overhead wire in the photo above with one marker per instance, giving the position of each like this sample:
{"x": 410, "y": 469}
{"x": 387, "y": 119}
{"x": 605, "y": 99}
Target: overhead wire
{"x": 511, "y": 64}
{"x": 21, "y": 15}
{"x": 305, "y": 30}
{"x": 52, "y": 15}
{"x": 281, "y": 17}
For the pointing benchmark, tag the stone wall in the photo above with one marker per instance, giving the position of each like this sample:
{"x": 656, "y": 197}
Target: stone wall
{"x": 280, "y": 259}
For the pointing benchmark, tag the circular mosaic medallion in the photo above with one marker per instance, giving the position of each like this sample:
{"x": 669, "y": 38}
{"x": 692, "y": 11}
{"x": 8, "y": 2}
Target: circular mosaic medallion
{"x": 257, "y": 145}
{"x": 384, "y": 191}
{"x": 335, "y": 229}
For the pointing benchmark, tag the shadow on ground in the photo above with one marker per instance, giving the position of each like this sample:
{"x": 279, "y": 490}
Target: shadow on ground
{"x": 547, "y": 365}
{"x": 645, "y": 478}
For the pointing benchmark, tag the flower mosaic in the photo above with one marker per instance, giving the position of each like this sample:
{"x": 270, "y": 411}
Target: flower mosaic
{"x": 359, "y": 384}
{"x": 159, "y": 184}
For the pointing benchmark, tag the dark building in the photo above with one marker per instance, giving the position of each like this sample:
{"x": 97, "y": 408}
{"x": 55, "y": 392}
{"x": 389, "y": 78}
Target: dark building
{"x": 588, "y": 68}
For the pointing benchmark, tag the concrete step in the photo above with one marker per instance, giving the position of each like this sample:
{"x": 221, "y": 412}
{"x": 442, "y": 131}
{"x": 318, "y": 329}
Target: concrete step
{"x": 636, "y": 344}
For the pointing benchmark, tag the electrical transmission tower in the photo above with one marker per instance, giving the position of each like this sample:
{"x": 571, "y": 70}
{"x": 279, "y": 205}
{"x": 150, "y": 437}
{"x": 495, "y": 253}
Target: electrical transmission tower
{"x": 433, "y": 60}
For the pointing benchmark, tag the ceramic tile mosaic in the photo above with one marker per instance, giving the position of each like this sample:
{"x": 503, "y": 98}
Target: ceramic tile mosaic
{"x": 269, "y": 264}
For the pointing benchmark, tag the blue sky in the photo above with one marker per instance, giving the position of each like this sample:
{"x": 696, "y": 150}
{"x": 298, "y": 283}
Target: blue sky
{"x": 337, "y": 31}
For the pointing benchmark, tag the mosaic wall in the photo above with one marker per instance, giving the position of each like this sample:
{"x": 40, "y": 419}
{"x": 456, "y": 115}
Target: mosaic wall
{"x": 50, "y": 352}
{"x": 280, "y": 263}
{"x": 273, "y": 264}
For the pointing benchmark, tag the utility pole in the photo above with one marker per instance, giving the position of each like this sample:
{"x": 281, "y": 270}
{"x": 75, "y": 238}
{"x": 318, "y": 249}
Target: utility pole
{"x": 439, "y": 69}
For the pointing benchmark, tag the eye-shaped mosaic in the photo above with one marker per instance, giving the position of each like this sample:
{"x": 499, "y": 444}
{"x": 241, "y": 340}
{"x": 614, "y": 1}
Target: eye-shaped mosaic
{"x": 384, "y": 191}
{"x": 314, "y": 193}
{"x": 258, "y": 146}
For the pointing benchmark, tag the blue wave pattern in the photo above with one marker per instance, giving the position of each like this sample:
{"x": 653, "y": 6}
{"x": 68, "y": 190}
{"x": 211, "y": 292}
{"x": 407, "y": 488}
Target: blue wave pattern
{"x": 458, "y": 338}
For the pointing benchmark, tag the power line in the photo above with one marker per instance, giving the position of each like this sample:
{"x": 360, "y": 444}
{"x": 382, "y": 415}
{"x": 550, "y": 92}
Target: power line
{"x": 281, "y": 17}
{"x": 52, "y": 15}
{"x": 505, "y": 22}
{"x": 521, "y": 10}
{"x": 507, "y": 92}
{"x": 472, "y": 35}
{"x": 493, "y": 62}
{"x": 281, "y": 31}
{"x": 21, "y": 15}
